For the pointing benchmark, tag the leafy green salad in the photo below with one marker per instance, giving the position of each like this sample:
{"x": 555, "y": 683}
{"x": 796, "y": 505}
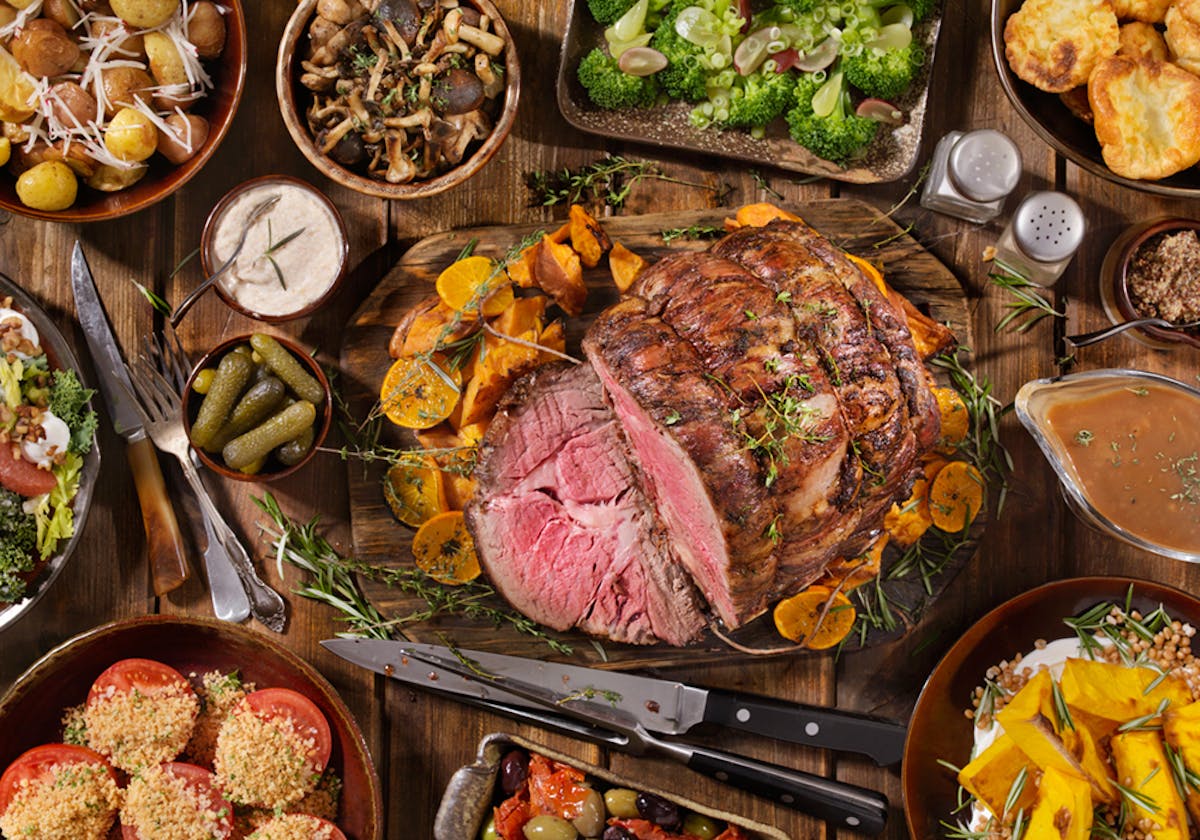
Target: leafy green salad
{"x": 831, "y": 69}
{"x": 46, "y": 428}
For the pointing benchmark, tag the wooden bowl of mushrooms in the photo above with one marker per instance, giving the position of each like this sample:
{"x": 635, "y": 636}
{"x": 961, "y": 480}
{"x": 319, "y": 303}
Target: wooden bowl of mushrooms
{"x": 398, "y": 99}
{"x": 88, "y": 137}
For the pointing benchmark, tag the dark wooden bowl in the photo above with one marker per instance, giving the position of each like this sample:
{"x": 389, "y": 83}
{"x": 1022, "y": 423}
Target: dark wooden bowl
{"x": 1114, "y": 286}
{"x": 191, "y": 405}
{"x": 218, "y": 107}
{"x": 209, "y": 232}
{"x": 1068, "y": 135}
{"x": 294, "y": 99}
{"x": 939, "y": 731}
{"x": 31, "y": 712}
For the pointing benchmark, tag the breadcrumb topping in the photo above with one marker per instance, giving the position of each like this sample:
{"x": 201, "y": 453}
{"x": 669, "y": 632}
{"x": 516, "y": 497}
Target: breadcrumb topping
{"x": 219, "y": 694}
{"x": 135, "y": 729}
{"x": 293, "y": 827}
{"x": 264, "y": 762}
{"x": 162, "y": 806}
{"x": 73, "y": 801}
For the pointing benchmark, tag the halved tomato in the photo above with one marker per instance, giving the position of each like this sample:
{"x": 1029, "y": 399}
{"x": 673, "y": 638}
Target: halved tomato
{"x": 23, "y": 477}
{"x": 36, "y": 764}
{"x": 145, "y": 675}
{"x": 273, "y": 703}
{"x": 201, "y": 783}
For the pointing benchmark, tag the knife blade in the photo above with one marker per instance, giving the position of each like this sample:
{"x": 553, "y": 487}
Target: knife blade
{"x": 843, "y": 804}
{"x": 164, "y": 542}
{"x": 673, "y": 707}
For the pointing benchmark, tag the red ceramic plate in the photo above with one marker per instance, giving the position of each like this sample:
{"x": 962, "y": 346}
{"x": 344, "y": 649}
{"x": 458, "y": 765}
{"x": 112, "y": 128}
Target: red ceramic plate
{"x": 939, "y": 730}
{"x": 31, "y": 712}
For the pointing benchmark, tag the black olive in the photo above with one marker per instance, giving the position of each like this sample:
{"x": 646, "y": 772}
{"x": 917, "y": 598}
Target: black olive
{"x": 404, "y": 16}
{"x": 514, "y": 770}
{"x": 456, "y": 91}
{"x": 349, "y": 150}
{"x": 659, "y": 811}
{"x": 618, "y": 832}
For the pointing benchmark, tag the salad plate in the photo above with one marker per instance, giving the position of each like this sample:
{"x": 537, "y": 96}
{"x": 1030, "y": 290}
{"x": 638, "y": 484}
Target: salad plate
{"x": 60, "y": 357}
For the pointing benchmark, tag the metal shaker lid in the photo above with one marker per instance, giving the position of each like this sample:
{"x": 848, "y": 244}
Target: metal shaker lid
{"x": 985, "y": 165}
{"x": 1048, "y": 226}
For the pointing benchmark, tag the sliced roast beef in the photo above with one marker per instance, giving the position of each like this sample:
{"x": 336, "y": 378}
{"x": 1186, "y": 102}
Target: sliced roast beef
{"x": 708, "y": 489}
{"x": 561, "y": 525}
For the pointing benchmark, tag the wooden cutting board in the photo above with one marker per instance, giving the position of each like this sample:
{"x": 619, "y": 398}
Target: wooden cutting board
{"x": 380, "y": 540}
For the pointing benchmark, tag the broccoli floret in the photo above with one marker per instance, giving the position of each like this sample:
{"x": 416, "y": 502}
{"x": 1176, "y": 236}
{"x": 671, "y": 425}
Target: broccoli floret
{"x": 609, "y": 11}
{"x": 68, "y": 402}
{"x": 757, "y": 99}
{"x": 886, "y": 74}
{"x": 18, "y": 541}
{"x": 686, "y": 75}
{"x": 805, "y": 88}
{"x": 836, "y": 137}
{"x": 921, "y": 9}
{"x": 610, "y": 87}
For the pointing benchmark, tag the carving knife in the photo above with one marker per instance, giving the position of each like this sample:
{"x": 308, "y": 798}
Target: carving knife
{"x": 605, "y": 722}
{"x": 168, "y": 556}
{"x": 659, "y": 705}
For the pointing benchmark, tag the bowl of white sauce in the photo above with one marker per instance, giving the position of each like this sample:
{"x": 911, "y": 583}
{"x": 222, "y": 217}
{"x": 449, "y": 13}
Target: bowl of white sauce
{"x": 295, "y": 255}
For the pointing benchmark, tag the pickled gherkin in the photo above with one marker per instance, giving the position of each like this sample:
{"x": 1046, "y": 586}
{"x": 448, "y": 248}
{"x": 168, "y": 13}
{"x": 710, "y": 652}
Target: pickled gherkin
{"x": 257, "y": 443}
{"x": 288, "y": 368}
{"x": 232, "y": 375}
{"x": 256, "y": 405}
{"x": 293, "y": 452}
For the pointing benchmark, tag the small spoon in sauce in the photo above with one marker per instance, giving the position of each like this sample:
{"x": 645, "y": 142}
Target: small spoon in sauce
{"x": 1084, "y": 339}
{"x": 257, "y": 213}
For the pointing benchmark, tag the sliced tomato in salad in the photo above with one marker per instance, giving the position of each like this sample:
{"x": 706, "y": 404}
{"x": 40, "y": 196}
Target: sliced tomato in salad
{"x": 202, "y": 785}
{"x": 39, "y": 762}
{"x": 274, "y": 703}
{"x": 23, "y": 477}
{"x": 147, "y": 676}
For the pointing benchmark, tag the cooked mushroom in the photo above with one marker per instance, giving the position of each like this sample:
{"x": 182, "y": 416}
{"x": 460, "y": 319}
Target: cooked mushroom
{"x": 457, "y": 92}
{"x": 400, "y": 169}
{"x": 403, "y": 16}
{"x": 340, "y": 11}
{"x": 493, "y": 85}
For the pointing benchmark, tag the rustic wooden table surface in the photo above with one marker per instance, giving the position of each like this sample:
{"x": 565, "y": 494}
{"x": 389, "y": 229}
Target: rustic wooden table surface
{"x": 418, "y": 741}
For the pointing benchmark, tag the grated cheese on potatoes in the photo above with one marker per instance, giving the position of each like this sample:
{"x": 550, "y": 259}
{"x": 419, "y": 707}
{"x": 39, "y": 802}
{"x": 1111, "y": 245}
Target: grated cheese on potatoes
{"x": 293, "y": 827}
{"x": 163, "y": 807}
{"x": 263, "y": 762}
{"x": 135, "y": 729}
{"x": 219, "y": 694}
{"x": 73, "y": 802}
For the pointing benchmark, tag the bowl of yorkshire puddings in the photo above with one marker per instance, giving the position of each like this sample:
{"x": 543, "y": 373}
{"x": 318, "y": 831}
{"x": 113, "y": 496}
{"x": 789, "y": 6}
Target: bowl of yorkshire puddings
{"x": 1110, "y": 84}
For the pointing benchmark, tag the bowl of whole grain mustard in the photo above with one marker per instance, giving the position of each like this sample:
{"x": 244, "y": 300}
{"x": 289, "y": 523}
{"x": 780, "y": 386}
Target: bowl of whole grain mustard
{"x": 1153, "y": 271}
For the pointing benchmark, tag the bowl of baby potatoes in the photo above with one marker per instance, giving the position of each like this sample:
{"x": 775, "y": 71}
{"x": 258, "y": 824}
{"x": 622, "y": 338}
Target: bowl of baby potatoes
{"x": 109, "y": 106}
{"x": 1114, "y": 85}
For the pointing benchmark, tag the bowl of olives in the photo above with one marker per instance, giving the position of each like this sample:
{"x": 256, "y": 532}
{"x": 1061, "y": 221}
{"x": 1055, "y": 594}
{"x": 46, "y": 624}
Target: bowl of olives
{"x": 88, "y": 137}
{"x": 596, "y": 804}
{"x": 257, "y": 407}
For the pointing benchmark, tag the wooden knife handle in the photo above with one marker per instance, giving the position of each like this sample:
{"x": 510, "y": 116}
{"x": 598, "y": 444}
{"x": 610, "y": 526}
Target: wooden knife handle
{"x": 168, "y": 558}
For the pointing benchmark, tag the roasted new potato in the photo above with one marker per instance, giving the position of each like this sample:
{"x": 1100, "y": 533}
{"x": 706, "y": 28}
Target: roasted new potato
{"x": 71, "y": 104}
{"x": 185, "y": 138}
{"x": 1145, "y": 116}
{"x": 43, "y": 48}
{"x": 49, "y": 186}
{"x": 166, "y": 64}
{"x": 1055, "y": 44}
{"x": 206, "y": 29}
{"x": 131, "y": 135}
{"x": 123, "y": 86}
{"x": 144, "y": 14}
{"x": 113, "y": 179}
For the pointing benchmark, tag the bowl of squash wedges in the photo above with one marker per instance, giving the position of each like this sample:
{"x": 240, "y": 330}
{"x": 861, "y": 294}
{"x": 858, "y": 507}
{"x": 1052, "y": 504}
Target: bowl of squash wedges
{"x": 1069, "y": 711}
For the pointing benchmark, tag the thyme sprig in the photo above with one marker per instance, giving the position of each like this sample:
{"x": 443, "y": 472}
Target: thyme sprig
{"x": 332, "y": 581}
{"x": 669, "y": 235}
{"x": 1027, "y": 303}
{"x": 273, "y": 248}
{"x": 607, "y": 181}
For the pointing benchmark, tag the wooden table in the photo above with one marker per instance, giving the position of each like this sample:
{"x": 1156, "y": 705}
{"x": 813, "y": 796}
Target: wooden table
{"x": 419, "y": 741}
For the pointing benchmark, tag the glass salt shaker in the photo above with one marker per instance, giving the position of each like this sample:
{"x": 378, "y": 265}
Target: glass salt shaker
{"x": 1042, "y": 237}
{"x": 972, "y": 174}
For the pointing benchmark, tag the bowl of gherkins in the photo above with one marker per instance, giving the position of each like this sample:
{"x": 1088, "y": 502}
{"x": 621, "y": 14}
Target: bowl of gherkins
{"x": 257, "y": 407}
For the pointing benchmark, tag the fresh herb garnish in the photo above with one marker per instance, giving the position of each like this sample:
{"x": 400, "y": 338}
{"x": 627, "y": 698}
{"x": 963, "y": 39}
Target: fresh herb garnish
{"x": 607, "y": 181}
{"x": 1027, "y": 302}
{"x": 669, "y": 235}
{"x": 273, "y": 248}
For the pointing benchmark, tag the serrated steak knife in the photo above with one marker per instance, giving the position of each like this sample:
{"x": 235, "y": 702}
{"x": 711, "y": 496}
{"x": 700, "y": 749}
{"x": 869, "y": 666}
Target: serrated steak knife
{"x": 659, "y": 705}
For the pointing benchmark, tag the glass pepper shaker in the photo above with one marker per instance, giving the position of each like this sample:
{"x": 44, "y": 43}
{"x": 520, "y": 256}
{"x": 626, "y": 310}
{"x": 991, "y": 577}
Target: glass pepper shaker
{"x": 972, "y": 174}
{"x": 1042, "y": 237}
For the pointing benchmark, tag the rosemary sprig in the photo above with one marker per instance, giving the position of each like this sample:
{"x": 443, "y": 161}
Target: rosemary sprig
{"x": 156, "y": 302}
{"x": 1015, "y": 790}
{"x": 1137, "y": 798}
{"x": 1185, "y": 780}
{"x": 1145, "y": 722}
{"x": 332, "y": 582}
{"x": 1061, "y": 711}
{"x": 692, "y": 232}
{"x": 608, "y": 181}
{"x": 964, "y": 832}
{"x": 761, "y": 182}
{"x": 1027, "y": 303}
{"x": 273, "y": 248}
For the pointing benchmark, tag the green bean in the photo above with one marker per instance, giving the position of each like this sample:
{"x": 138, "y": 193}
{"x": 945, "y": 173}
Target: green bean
{"x": 232, "y": 375}
{"x": 288, "y": 368}
{"x": 293, "y": 452}
{"x": 256, "y": 405}
{"x": 275, "y": 431}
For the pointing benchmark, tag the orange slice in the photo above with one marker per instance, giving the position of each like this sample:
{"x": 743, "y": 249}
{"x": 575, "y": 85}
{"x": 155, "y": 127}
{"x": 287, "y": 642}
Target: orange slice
{"x": 956, "y": 420}
{"x": 469, "y": 283}
{"x": 418, "y": 392}
{"x": 816, "y": 618}
{"x": 956, "y": 496}
{"x": 444, "y": 550}
{"x": 415, "y": 493}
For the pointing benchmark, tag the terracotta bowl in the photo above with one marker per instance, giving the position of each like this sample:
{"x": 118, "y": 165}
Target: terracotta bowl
{"x": 1067, "y": 134}
{"x": 208, "y": 237}
{"x": 939, "y": 730}
{"x": 294, "y": 100}
{"x": 1114, "y": 288}
{"x": 192, "y": 400}
{"x": 31, "y": 712}
{"x": 218, "y": 107}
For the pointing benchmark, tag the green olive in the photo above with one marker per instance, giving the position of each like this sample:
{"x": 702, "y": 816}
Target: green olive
{"x": 701, "y": 826}
{"x": 232, "y": 375}
{"x": 203, "y": 380}
{"x": 547, "y": 827}
{"x": 275, "y": 431}
{"x": 590, "y": 822}
{"x": 621, "y": 802}
{"x": 288, "y": 368}
{"x": 489, "y": 829}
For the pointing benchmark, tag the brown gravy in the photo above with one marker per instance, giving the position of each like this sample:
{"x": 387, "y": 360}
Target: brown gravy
{"x": 1135, "y": 449}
